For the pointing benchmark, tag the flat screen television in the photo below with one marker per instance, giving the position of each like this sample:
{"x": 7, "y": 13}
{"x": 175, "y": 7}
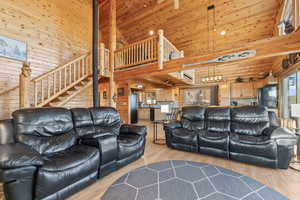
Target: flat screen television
{"x": 269, "y": 96}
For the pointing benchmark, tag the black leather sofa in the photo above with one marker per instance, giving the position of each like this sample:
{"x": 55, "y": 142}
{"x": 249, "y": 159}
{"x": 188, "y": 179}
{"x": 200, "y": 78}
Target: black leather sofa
{"x": 248, "y": 134}
{"x": 51, "y": 153}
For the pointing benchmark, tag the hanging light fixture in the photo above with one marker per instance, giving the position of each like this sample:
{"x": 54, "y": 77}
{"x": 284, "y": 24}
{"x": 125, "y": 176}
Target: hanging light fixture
{"x": 214, "y": 77}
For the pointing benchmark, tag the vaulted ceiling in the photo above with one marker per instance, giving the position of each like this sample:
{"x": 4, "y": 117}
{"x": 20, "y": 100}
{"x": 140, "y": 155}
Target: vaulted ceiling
{"x": 191, "y": 27}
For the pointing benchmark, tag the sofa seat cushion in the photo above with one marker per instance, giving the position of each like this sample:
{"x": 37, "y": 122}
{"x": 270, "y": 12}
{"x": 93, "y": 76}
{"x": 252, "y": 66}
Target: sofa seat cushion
{"x": 213, "y": 140}
{"x": 261, "y": 145}
{"x": 65, "y": 168}
{"x": 184, "y": 136}
{"x": 129, "y": 144}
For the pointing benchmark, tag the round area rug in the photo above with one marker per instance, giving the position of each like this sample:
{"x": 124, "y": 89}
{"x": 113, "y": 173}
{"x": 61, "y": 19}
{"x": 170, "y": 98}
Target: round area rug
{"x": 186, "y": 180}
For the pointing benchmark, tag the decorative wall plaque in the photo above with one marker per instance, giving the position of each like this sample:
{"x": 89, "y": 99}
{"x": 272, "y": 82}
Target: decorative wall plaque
{"x": 13, "y": 49}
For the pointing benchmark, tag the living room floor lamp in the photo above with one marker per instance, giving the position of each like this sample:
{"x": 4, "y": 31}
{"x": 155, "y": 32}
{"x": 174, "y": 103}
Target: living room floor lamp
{"x": 295, "y": 113}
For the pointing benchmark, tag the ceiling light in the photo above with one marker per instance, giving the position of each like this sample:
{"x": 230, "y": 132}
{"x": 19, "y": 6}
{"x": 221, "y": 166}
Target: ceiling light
{"x": 223, "y": 32}
{"x": 151, "y": 32}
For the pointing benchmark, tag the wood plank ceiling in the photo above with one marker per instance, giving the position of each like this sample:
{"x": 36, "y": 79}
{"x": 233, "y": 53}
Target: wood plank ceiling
{"x": 187, "y": 27}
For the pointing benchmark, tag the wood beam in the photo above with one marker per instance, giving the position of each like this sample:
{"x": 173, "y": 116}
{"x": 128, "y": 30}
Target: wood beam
{"x": 266, "y": 48}
{"x": 112, "y": 47}
{"x": 96, "y": 100}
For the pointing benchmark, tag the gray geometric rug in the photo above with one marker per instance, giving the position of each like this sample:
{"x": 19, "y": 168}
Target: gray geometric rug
{"x": 186, "y": 180}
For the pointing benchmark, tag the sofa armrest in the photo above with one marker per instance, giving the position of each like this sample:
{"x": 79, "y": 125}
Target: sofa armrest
{"x": 128, "y": 128}
{"x": 283, "y": 136}
{"x": 173, "y": 125}
{"x": 18, "y": 155}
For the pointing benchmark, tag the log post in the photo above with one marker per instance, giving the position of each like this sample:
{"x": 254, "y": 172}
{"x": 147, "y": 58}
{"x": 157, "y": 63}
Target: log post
{"x": 112, "y": 47}
{"x": 102, "y": 59}
{"x": 24, "y": 86}
{"x": 160, "y": 49}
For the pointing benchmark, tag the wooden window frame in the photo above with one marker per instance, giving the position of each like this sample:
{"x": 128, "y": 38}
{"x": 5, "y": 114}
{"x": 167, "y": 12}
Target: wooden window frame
{"x": 297, "y": 13}
{"x": 296, "y": 70}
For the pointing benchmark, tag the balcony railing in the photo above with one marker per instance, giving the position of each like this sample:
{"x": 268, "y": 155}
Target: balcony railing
{"x": 153, "y": 49}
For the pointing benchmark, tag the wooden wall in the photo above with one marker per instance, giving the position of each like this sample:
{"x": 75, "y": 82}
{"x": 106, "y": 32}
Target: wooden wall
{"x": 55, "y": 31}
{"x": 123, "y": 101}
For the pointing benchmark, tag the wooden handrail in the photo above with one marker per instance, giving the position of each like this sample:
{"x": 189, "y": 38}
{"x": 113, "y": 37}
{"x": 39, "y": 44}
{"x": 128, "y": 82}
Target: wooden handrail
{"x": 58, "y": 68}
{"x": 171, "y": 44}
{"x": 54, "y": 83}
{"x": 170, "y": 51}
{"x": 9, "y": 90}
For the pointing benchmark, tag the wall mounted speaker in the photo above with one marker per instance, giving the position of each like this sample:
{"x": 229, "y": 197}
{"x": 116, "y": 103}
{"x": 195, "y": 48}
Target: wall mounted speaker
{"x": 293, "y": 58}
{"x": 285, "y": 63}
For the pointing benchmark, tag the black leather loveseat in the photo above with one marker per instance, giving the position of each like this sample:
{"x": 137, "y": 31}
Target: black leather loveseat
{"x": 50, "y": 153}
{"x": 248, "y": 134}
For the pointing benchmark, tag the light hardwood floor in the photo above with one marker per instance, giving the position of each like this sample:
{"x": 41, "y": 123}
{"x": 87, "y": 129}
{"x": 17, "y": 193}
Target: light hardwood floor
{"x": 285, "y": 181}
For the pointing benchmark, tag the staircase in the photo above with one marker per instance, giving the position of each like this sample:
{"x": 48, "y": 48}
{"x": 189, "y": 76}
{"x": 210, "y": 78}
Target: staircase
{"x": 58, "y": 86}
{"x": 65, "y": 97}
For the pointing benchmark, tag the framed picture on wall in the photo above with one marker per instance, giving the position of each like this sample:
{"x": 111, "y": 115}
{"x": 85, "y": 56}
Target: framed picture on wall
{"x": 104, "y": 95}
{"x": 200, "y": 96}
{"x": 121, "y": 92}
{"x": 13, "y": 49}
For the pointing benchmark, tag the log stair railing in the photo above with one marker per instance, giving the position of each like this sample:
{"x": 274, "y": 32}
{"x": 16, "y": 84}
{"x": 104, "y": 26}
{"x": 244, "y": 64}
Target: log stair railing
{"x": 153, "y": 49}
{"x": 56, "y": 87}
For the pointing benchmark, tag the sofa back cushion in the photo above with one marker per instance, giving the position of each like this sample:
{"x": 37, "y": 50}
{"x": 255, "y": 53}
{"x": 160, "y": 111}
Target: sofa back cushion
{"x": 47, "y": 130}
{"x": 106, "y": 120}
{"x": 83, "y": 121}
{"x": 218, "y": 120}
{"x": 193, "y": 118}
{"x": 249, "y": 120}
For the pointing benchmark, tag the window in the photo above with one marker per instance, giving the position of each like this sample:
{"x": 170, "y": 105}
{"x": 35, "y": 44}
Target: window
{"x": 286, "y": 21}
{"x": 291, "y": 93}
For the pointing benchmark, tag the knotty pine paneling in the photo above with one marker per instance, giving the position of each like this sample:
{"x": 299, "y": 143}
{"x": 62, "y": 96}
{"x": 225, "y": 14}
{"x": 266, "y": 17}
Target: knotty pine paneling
{"x": 187, "y": 27}
{"x": 55, "y": 31}
{"x": 83, "y": 100}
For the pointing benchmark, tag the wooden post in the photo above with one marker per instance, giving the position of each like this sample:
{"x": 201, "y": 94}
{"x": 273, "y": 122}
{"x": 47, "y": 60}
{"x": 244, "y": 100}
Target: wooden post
{"x": 24, "y": 86}
{"x": 112, "y": 47}
{"x": 160, "y": 49}
{"x": 102, "y": 59}
{"x": 181, "y": 53}
{"x": 96, "y": 99}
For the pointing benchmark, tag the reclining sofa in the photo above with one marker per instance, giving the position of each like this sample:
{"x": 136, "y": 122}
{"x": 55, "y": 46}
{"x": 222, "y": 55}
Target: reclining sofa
{"x": 51, "y": 153}
{"x": 247, "y": 134}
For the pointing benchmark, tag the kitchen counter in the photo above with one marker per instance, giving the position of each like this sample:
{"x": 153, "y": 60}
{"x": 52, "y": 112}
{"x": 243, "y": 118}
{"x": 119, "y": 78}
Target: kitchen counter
{"x": 144, "y": 114}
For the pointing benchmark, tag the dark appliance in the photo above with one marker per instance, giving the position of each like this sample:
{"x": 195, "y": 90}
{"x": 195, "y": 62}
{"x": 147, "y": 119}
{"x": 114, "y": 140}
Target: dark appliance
{"x": 134, "y": 108}
{"x": 152, "y": 114}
